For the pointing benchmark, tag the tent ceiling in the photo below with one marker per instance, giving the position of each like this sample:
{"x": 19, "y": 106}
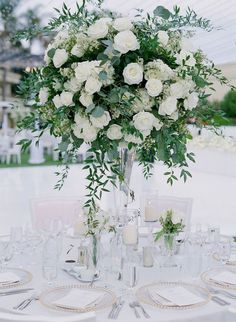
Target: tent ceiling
{"x": 219, "y": 45}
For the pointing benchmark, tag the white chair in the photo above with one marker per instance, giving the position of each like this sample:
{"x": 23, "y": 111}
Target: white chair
{"x": 4, "y": 147}
{"x": 46, "y": 212}
{"x": 181, "y": 205}
{"x": 14, "y": 154}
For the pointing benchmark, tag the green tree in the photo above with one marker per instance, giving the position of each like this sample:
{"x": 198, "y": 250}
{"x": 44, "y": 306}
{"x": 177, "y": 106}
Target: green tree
{"x": 228, "y": 104}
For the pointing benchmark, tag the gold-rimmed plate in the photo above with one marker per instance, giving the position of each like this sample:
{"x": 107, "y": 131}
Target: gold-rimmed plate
{"x": 14, "y": 277}
{"x": 78, "y": 298}
{"x": 190, "y": 295}
{"x": 230, "y": 262}
{"x": 222, "y": 277}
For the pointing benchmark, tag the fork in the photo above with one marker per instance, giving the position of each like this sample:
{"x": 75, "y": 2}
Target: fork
{"x": 223, "y": 292}
{"x": 146, "y": 315}
{"x": 26, "y": 302}
{"x": 135, "y": 310}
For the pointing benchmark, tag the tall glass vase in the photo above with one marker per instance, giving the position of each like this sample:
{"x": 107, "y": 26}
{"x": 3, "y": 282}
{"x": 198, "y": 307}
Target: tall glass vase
{"x": 123, "y": 192}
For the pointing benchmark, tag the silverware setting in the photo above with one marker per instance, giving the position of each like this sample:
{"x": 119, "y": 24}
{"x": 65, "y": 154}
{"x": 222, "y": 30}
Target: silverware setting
{"x": 219, "y": 301}
{"x": 134, "y": 307}
{"x": 24, "y": 304}
{"x": 116, "y": 308}
{"x": 222, "y": 292}
{"x": 18, "y": 291}
{"x": 137, "y": 304}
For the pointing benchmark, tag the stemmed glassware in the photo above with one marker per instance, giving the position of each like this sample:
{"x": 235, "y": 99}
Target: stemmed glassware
{"x": 224, "y": 251}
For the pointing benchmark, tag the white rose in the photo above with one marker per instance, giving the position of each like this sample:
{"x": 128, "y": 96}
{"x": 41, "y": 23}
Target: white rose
{"x": 77, "y": 50}
{"x": 125, "y": 41}
{"x": 154, "y": 87}
{"x": 86, "y": 99}
{"x": 168, "y": 106}
{"x": 92, "y": 85}
{"x": 114, "y": 132}
{"x": 177, "y": 90}
{"x": 89, "y": 133}
{"x": 174, "y": 116}
{"x": 101, "y": 121}
{"x": 106, "y": 20}
{"x": 77, "y": 131}
{"x": 60, "y": 57}
{"x": 143, "y": 121}
{"x": 191, "y": 101}
{"x": 81, "y": 121}
{"x": 72, "y": 85}
{"x": 43, "y": 95}
{"x": 132, "y": 138}
{"x": 121, "y": 24}
{"x": 133, "y": 73}
{"x": 83, "y": 71}
{"x": 185, "y": 58}
{"x": 67, "y": 98}
{"x": 157, "y": 124}
{"x": 57, "y": 101}
{"x": 163, "y": 37}
{"x": 98, "y": 30}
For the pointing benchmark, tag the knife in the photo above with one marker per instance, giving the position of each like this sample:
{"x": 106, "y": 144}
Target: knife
{"x": 19, "y": 291}
{"x": 120, "y": 305}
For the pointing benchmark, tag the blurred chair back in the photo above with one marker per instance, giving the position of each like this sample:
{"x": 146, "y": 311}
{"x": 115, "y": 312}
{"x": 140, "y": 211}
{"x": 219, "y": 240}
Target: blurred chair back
{"x": 47, "y": 212}
{"x": 181, "y": 205}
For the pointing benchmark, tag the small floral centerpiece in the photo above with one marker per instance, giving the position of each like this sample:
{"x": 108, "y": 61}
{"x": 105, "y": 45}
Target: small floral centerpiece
{"x": 116, "y": 82}
{"x": 172, "y": 224}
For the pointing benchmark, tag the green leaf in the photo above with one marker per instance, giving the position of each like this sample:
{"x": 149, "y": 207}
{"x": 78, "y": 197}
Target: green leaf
{"x": 162, "y": 12}
{"x": 98, "y": 111}
{"x": 102, "y": 57}
{"x": 103, "y": 75}
{"x": 90, "y": 108}
{"x": 200, "y": 82}
{"x": 63, "y": 146}
{"x": 115, "y": 61}
{"x": 51, "y": 53}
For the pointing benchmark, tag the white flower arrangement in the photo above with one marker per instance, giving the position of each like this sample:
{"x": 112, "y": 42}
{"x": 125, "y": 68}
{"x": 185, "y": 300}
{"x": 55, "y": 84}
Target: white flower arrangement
{"x": 113, "y": 81}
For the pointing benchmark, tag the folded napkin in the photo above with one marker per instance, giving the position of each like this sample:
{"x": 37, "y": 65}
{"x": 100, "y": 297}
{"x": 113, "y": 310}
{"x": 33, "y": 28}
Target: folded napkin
{"x": 178, "y": 295}
{"x": 8, "y": 278}
{"x": 79, "y": 298}
{"x": 225, "y": 277}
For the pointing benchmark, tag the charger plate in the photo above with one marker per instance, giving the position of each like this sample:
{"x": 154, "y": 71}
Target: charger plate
{"x": 229, "y": 262}
{"x": 49, "y": 297}
{"x": 23, "y": 275}
{"x": 208, "y": 277}
{"x": 143, "y": 295}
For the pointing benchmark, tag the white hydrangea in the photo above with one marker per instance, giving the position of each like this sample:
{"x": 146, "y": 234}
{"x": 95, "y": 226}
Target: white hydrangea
{"x": 100, "y": 122}
{"x": 61, "y": 37}
{"x": 43, "y": 95}
{"x": 143, "y": 121}
{"x": 133, "y": 73}
{"x": 92, "y": 85}
{"x": 86, "y": 99}
{"x": 80, "y": 120}
{"x": 123, "y": 23}
{"x": 163, "y": 37}
{"x": 191, "y": 101}
{"x": 89, "y": 133}
{"x": 114, "y": 132}
{"x": 174, "y": 116}
{"x": 60, "y": 57}
{"x": 85, "y": 69}
{"x": 98, "y": 30}
{"x": 82, "y": 43}
{"x": 158, "y": 69}
{"x": 142, "y": 101}
{"x": 168, "y": 106}
{"x": 185, "y": 58}
{"x": 126, "y": 41}
{"x": 72, "y": 85}
{"x": 154, "y": 87}
{"x": 67, "y": 98}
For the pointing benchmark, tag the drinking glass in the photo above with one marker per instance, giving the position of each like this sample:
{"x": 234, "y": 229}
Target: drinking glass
{"x": 50, "y": 259}
{"x": 130, "y": 228}
{"x": 224, "y": 250}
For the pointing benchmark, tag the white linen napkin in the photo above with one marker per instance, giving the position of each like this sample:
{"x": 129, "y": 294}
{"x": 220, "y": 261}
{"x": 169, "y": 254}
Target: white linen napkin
{"x": 225, "y": 277}
{"x": 177, "y": 295}
{"x": 8, "y": 277}
{"x": 79, "y": 298}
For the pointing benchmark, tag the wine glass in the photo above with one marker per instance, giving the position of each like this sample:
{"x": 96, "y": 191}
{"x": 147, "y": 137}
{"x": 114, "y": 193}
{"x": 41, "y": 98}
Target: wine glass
{"x": 224, "y": 251}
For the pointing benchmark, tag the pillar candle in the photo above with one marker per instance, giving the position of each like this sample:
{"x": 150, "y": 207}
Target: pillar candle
{"x": 80, "y": 227}
{"x": 147, "y": 257}
{"x": 150, "y": 214}
{"x": 130, "y": 234}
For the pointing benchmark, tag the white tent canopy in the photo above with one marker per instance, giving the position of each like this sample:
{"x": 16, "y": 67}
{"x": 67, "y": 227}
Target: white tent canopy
{"x": 219, "y": 45}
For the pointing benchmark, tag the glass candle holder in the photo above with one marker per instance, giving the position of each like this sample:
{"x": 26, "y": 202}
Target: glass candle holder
{"x": 130, "y": 228}
{"x": 149, "y": 208}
